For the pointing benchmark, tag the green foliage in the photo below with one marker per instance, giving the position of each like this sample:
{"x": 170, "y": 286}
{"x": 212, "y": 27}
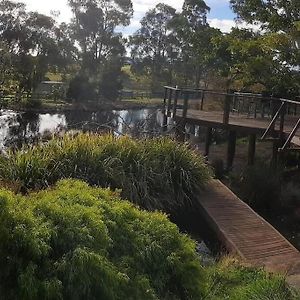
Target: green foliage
{"x": 81, "y": 89}
{"x": 276, "y": 15}
{"x": 154, "y": 173}
{"x": 79, "y": 242}
{"x": 259, "y": 185}
{"x": 231, "y": 280}
{"x": 94, "y": 27}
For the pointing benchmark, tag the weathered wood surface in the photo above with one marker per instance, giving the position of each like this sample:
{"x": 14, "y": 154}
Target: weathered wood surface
{"x": 245, "y": 233}
{"x": 237, "y": 122}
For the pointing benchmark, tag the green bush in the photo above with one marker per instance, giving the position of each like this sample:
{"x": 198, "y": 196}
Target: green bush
{"x": 154, "y": 173}
{"x": 79, "y": 242}
{"x": 259, "y": 185}
{"x": 229, "y": 279}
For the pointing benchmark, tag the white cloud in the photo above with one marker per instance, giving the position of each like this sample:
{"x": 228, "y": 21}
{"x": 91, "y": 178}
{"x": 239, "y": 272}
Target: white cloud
{"x": 225, "y": 25}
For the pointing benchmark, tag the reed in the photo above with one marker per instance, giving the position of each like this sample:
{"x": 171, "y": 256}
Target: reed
{"x": 154, "y": 173}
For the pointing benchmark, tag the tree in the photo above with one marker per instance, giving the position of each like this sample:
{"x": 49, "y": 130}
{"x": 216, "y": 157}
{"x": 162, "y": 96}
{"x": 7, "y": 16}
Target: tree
{"x": 253, "y": 62}
{"x": 32, "y": 42}
{"x": 280, "y": 19}
{"x": 94, "y": 29}
{"x": 153, "y": 45}
{"x": 274, "y": 15}
{"x": 195, "y": 36}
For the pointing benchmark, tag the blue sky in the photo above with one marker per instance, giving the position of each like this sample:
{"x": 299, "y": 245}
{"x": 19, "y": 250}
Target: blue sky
{"x": 220, "y": 16}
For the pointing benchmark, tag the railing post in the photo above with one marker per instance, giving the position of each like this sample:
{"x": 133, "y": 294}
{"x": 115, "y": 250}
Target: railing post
{"x": 202, "y": 99}
{"x": 175, "y": 103}
{"x": 165, "y": 98}
{"x": 281, "y": 126}
{"x": 227, "y": 102}
{"x": 208, "y": 139}
{"x": 169, "y": 103}
{"x": 185, "y": 105}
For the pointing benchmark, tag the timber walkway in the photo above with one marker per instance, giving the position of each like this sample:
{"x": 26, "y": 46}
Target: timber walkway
{"x": 267, "y": 118}
{"x": 243, "y": 232}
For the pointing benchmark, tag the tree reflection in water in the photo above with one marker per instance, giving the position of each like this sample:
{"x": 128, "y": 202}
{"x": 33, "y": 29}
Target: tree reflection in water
{"x": 28, "y": 128}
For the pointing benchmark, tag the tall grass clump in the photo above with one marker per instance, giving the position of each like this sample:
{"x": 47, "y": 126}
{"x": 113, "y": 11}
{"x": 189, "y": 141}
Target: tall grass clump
{"x": 78, "y": 242}
{"x": 230, "y": 279}
{"x": 155, "y": 173}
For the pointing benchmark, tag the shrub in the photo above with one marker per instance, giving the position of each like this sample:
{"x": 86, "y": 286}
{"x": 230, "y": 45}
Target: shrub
{"x": 260, "y": 186}
{"x": 155, "y": 173}
{"x": 230, "y": 279}
{"x": 79, "y": 242}
{"x": 81, "y": 89}
{"x": 218, "y": 167}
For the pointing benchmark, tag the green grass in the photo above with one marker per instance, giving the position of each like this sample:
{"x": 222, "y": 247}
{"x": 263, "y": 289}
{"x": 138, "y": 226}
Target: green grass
{"x": 154, "y": 173}
{"x": 230, "y": 279}
{"x": 147, "y": 101}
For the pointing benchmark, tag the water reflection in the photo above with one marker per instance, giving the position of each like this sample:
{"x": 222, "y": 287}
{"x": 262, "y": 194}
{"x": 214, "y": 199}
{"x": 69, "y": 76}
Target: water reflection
{"x": 19, "y": 128}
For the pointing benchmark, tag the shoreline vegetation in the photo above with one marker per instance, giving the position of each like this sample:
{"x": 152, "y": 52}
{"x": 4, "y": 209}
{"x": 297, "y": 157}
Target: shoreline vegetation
{"x": 85, "y": 207}
{"x": 63, "y": 106}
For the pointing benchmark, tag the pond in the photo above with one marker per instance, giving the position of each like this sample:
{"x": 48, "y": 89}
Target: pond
{"x": 17, "y": 128}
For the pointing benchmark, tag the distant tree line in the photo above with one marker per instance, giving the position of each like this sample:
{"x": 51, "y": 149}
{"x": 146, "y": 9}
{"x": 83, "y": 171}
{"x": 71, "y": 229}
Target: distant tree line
{"x": 182, "y": 49}
{"x": 175, "y": 48}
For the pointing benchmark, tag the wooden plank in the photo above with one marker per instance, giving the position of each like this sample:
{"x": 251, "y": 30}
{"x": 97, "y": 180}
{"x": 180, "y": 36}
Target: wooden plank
{"x": 244, "y": 232}
{"x": 240, "y": 123}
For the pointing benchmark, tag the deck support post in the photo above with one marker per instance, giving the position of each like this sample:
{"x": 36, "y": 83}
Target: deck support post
{"x": 180, "y": 131}
{"x": 231, "y": 149}
{"x": 226, "y": 112}
{"x": 175, "y": 103}
{"x": 208, "y": 139}
{"x": 169, "y": 103}
{"x": 274, "y": 160}
{"x": 251, "y": 149}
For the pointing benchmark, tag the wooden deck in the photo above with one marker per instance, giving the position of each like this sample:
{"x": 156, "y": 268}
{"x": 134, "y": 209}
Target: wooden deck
{"x": 246, "y": 234}
{"x": 237, "y": 122}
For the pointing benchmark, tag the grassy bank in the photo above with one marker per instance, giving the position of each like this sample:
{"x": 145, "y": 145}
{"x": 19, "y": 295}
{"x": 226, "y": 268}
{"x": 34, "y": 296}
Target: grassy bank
{"x": 155, "y": 173}
{"x": 63, "y": 106}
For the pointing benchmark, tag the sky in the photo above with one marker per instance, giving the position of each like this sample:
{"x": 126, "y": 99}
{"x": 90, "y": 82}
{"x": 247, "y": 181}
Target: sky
{"x": 220, "y": 15}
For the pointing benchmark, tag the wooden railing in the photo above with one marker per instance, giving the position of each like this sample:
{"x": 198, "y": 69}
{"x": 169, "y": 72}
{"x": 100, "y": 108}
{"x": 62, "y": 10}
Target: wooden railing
{"x": 254, "y": 106}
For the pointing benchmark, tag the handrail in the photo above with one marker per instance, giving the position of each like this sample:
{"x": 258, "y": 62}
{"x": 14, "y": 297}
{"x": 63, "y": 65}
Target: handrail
{"x": 246, "y": 95}
{"x": 291, "y": 135}
{"x": 274, "y": 103}
{"x": 273, "y": 121}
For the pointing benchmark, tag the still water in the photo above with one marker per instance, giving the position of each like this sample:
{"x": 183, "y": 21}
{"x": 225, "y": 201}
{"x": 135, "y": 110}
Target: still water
{"x": 17, "y": 128}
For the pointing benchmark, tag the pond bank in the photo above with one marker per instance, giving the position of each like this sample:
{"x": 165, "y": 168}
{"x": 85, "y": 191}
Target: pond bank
{"x": 61, "y": 107}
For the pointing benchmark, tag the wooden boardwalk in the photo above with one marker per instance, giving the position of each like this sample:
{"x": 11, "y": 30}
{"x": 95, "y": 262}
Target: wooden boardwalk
{"x": 246, "y": 234}
{"x": 238, "y": 122}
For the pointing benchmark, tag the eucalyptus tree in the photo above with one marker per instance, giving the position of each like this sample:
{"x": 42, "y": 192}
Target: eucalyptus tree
{"x": 154, "y": 47}
{"x": 274, "y": 15}
{"x": 195, "y": 36}
{"x": 251, "y": 61}
{"x": 279, "y": 20}
{"x": 32, "y": 42}
{"x": 94, "y": 26}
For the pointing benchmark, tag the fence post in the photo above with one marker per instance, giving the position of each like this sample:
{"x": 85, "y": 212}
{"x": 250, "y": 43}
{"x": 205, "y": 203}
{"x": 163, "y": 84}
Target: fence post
{"x": 227, "y": 102}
